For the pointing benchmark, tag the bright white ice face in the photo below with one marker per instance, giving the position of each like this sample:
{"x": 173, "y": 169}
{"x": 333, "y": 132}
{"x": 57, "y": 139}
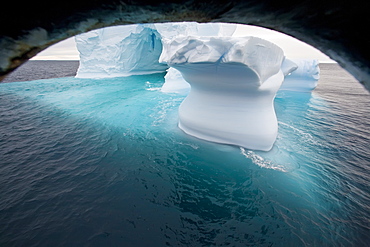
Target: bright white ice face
{"x": 120, "y": 51}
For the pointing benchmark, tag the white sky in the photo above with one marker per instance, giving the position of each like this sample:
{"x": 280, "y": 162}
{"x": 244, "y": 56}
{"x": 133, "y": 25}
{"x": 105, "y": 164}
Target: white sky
{"x": 293, "y": 48}
{"x": 64, "y": 50}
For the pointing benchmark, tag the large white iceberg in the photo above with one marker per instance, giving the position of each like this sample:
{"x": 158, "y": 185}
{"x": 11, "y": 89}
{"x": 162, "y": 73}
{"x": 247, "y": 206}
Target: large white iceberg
{"x": 233, "y": 85}
{"x": 134, "y": 49}
{"x": 304, "y": 78}
{"x": 119, "y": 51}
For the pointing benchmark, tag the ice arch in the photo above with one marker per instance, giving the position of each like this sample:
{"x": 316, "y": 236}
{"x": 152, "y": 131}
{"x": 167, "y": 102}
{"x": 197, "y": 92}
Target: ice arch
{"x": 330, "y": 26}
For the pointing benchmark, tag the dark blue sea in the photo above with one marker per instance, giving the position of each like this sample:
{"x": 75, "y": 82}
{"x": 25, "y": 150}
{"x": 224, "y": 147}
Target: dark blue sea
{"x": 101, "y": 162}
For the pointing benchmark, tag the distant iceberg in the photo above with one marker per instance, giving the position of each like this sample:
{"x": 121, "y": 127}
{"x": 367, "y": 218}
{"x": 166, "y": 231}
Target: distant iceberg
{"x": 134, "y": 49}
{"x": 233, "y": 85}
{"x": 304, "y": 78}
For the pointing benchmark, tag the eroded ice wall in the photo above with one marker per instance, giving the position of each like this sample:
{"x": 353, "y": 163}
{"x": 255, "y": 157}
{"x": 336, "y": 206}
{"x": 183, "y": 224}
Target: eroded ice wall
{"x": 119, "y": 51}
{"x": 233, "y": 85}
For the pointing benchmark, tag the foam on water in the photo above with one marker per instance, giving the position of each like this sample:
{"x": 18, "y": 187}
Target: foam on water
{"x": 103, "y": 163}
{"x": 260, "y": 161}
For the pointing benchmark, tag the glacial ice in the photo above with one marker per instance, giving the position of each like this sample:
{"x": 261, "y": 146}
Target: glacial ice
{"x": 119, "y": 51}
{"x": 304, "y": 78}
{"x": 134, "y": 49}
{"x": 233, "y": 85}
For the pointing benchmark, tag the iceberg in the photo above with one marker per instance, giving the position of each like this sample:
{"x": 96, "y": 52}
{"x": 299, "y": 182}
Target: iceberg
{"x": 304, "y": 78}
{"x": 233, "y": 80}
{"x": 134, "y": 49}
{"x": 119, "y": 51}
{"x": 233, "y": 85}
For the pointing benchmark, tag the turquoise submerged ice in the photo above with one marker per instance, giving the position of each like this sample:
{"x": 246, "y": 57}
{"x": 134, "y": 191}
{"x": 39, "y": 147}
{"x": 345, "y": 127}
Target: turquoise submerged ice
{"x": 102, "y": 163}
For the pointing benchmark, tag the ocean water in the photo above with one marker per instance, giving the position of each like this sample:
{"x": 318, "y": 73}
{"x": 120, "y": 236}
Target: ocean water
{"x": 39, "y": 69}
{"x": 102, "y": 163}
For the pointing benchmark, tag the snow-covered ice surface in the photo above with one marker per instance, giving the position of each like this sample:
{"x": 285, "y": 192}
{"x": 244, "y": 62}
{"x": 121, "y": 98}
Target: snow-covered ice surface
{"x": 304, "y": 78}
{"x": 134, "y": 49}
{"x": 233, "y": 85}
